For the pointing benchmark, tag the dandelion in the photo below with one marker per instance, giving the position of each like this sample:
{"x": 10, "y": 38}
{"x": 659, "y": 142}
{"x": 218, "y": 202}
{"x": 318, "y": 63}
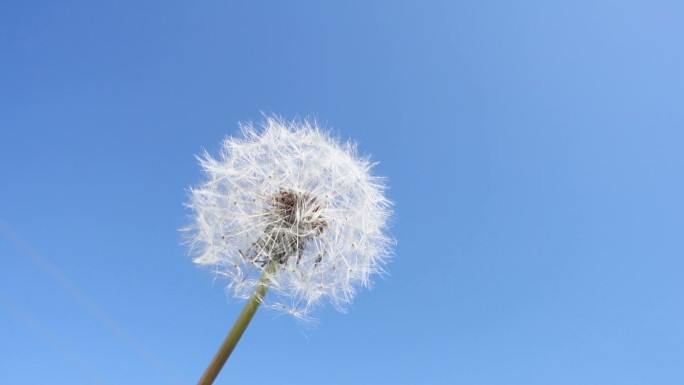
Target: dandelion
{"x": 286, "y": 208}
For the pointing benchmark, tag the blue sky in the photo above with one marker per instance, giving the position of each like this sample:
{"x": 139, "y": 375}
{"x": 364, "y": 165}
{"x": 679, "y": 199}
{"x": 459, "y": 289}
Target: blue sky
{"x": 533, "y": 149}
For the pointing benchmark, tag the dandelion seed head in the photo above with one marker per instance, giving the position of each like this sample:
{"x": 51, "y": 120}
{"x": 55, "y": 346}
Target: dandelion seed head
{"x": 288, "y": 193}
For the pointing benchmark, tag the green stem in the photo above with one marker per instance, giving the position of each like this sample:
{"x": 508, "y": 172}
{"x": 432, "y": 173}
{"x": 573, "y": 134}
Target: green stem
{"x": 238, "y": 328}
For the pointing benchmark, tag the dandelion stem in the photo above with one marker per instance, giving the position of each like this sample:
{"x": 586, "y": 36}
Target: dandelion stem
{"x": 238, "y": 328}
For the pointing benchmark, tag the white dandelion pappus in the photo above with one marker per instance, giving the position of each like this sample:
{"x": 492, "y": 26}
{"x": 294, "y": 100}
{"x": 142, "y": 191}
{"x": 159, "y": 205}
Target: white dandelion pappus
{"x": 290, "y": 195}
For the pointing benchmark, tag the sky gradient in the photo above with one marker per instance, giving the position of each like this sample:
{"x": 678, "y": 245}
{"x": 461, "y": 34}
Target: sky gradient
{"x": 533, "y": 151}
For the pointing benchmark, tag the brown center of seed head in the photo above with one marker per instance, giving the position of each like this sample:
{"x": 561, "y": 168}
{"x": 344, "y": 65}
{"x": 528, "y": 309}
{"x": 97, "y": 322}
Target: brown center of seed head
{"x": 297, "y": 221}
{"x": 298, "y": 209}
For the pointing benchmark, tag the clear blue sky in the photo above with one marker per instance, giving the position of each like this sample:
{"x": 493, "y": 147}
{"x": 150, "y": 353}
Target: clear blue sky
{"x": 535, "y": 151}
